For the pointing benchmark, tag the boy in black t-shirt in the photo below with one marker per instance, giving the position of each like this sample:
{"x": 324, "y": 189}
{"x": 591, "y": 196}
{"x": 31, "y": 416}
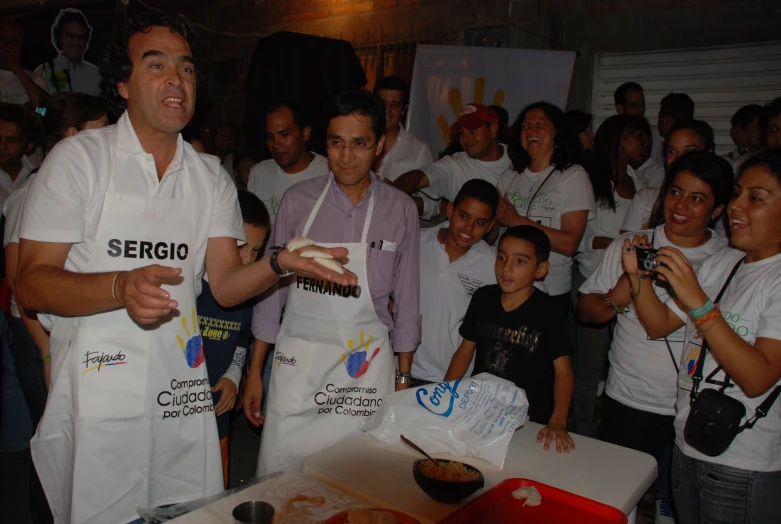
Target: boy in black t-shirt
{"x": 513, "y": 331}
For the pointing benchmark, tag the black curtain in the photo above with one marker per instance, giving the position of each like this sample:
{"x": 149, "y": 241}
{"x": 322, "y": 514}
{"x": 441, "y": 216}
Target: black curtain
{"x": 310, "y": 70}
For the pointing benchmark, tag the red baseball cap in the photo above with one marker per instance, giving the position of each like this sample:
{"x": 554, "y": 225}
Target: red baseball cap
{"x": 474, "y": 115}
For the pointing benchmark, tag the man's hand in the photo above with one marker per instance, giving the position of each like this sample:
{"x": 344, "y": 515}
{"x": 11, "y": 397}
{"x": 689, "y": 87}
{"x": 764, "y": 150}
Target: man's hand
{"x": 228, "y": 397}
{"x": 292, "y": 261}
{"x": 557, "y": 432}
{"x": 139, "y": 291}
{"x": 253, "y": 395}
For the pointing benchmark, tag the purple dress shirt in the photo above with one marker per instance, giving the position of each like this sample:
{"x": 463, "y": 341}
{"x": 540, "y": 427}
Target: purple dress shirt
{"x": 397, "y": 274}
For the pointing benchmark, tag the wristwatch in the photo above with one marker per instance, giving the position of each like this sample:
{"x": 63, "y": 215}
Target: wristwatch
{"x": 403, "y": 378}
{"x": 281, "y": 273}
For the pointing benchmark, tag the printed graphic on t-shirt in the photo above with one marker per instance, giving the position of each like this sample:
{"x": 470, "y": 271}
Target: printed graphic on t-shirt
{"x": 273, "y": 205}
{"x": 543, "y": 202}
{"x": 505, "y": 343}
{"x": 217, "y": 328}
{"x": 470, "y": 286}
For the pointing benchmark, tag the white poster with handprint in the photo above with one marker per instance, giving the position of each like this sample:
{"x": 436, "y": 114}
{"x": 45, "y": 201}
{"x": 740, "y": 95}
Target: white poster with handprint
{"x": 446, "y": 78}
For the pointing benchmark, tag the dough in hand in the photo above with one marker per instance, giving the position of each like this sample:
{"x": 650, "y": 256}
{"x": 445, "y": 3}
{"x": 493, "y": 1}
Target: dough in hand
{"x": 299, "y": 242}
{"x": 331, "y": 264}
{"x": 530, "y": 495}
{"x": 313, "y": 253}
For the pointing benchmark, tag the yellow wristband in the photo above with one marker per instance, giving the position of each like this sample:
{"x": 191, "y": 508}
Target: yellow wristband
{"x": 47, "y": 357}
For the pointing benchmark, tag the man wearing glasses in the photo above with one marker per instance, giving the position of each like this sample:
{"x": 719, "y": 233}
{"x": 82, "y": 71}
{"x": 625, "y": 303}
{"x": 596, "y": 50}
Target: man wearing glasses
{"x": 334, "y": 347}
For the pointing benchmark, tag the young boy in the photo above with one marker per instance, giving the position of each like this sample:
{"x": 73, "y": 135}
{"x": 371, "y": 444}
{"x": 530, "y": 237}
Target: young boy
{"x": 226, "y": 331}
{"x": 513, "y": 332}
{"x": 454, "y": 262}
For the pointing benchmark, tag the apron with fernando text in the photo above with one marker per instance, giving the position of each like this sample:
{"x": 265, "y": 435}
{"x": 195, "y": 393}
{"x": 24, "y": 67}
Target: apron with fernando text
{"x": 333, "y": 363}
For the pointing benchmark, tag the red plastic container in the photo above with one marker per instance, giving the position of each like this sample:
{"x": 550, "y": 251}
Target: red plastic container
{"x": 497, "y": 506}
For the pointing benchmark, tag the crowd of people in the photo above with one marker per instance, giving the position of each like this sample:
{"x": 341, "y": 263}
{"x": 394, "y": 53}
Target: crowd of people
{"x": 159, "y": 280}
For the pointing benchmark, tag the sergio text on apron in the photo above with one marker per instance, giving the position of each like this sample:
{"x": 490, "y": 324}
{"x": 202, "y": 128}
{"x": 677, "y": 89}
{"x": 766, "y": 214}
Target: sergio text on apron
{"x": 333, "y": 363}
{"x": 130, "y": 421}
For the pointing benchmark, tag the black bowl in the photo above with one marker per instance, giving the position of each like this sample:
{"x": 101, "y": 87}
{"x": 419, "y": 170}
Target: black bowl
{"x": 254, "y": 512}
{"x": 447, "y": 491}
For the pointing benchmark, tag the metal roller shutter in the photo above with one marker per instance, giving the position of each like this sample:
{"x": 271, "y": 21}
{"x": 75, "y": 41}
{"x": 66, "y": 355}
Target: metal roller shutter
{"x": 720, "y": 80}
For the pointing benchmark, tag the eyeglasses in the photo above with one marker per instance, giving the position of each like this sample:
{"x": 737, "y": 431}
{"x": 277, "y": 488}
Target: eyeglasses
{"x": 335, "y": 144}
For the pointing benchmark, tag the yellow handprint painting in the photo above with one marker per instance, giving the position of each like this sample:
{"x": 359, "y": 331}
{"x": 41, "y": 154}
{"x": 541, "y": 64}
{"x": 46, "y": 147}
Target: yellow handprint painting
{"x": 457, "y": 104}
{"x": 356, "y": 361}
{"x": 193, "y": 347}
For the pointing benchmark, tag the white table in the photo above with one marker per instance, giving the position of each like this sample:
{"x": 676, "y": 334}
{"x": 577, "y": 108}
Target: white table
{"x": 603, "y": 472}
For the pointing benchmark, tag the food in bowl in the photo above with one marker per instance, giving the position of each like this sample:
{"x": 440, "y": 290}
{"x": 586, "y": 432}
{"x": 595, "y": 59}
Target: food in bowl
{"x": 451, "y": 481}
{"x": 449, "y": 471}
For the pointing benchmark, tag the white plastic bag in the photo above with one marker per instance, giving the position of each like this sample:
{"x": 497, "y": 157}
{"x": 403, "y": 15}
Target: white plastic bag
{"x": 472, "y": 417}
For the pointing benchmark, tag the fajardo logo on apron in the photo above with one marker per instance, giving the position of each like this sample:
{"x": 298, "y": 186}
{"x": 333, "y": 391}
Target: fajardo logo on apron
{"x": 280, "y": 358}
{"x": 193, "y": 348}
{"x": 97, "y": 360}
{"x": 315, "y": 285}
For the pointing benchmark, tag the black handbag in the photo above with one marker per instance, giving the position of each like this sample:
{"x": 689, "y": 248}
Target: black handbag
{"x": 714, "y": 419}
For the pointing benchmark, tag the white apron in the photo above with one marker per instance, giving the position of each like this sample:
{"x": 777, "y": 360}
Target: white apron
{"x": 333, "y": 363}
{"x": 129, "y": 422}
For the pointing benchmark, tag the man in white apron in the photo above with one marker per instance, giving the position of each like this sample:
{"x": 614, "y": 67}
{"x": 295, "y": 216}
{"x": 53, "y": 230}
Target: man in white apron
{"x": 334, "y": 358}
{"x": 119, "y": 227}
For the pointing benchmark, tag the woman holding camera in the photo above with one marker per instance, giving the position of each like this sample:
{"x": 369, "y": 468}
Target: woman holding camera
{"x": 639, "y": 406}
{"x": 727, "y": 457}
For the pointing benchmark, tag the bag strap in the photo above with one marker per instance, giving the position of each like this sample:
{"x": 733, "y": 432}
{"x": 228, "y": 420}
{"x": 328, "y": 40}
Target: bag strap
{"x": 531, "y": 201}
{"x": 697, "y": 377}
{"x": 667, "y": 342}
{"x": 762, "y": 410}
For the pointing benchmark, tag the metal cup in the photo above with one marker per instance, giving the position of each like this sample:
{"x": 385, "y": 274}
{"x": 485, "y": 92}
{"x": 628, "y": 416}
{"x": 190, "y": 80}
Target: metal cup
{"x": 254, "y": 512}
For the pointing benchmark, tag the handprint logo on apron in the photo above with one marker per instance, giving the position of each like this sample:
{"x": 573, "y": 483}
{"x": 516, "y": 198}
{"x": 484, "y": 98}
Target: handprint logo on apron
{"x": 355, "y": 361}
{"x": 193, "y": 348}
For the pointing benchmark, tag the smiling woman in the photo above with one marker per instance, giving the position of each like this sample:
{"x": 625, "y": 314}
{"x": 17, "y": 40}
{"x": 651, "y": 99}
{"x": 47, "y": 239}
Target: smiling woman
{"x": 730, "y": 308}
{"x": 545, "y": 190}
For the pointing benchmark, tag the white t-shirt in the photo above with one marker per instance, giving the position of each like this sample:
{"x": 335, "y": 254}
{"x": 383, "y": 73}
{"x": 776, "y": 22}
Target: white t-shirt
{"x": 564, "y": 192}
{"x": 8, "y": 186}
{"x": 84, "y": 76}
{"x": 752, "y": 306}
{"x": 11, "y": 88}
{"x": 607, "y": 223}
{"x": 642, "y": 375}
{"x": 67, "y": 194}
{"x": 651, "y": 173}
{"x": 639, "y": 212}
{"x": 445, "y": 291}
{"x": 13, "y": 218}
{"x": 407, "y": 153}
{"x": 448, "y": 174}
{"x": 269, "y": 182}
